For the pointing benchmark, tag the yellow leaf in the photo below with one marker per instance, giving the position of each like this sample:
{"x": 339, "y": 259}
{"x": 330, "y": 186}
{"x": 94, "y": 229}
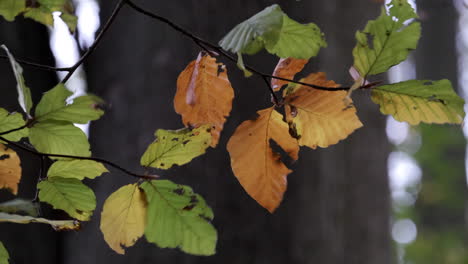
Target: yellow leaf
{"x": 286, "y": 68}
{"x": 257, "y": 167}
{"x": 123, "y": 217}
{"x": 204, "y": 95}
{"x": 319, "y": 118}
{"x": 10, "y": 169}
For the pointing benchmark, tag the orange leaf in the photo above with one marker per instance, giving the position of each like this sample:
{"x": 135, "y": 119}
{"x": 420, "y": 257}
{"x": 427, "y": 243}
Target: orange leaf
{"x": 257, "y": 167}
{"x": 204, "y": 95}
{"x": 10, "y": 169}
{"x": 286, "y": 68}
{"x": 319, "y": 118}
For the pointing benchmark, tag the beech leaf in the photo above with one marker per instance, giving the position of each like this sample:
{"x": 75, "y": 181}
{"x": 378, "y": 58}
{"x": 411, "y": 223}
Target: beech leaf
{"x": 123, "y": 217}
{"x": 386, "y": 41}
{"x": 10, "y": 169}
{"x": 69, "y": 195}
{"x": 257, "y": 167}
{"x": 176, "y": 147}
{"x": 4, "y": 256}
{"x": 11, "y": 121}
{"x": 286, "y": 68}
{"x": 53, "y": 107}
{"x": 418, "y": 101}
{"x": 59, "y": 137}
{"x": 19, "y": 205}
{"x": 9, "y": 9}
{"x": 177, "y": 217}
{"x": 78, "y": 169}
{"x": 204, "y": 95}
{"x": 24, "y": 94}
{"x": 319, "y": 118}
{"x": 58, "y": 225}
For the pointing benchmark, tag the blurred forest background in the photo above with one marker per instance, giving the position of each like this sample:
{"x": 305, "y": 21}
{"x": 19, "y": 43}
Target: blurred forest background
{"x": 389, "y": 193}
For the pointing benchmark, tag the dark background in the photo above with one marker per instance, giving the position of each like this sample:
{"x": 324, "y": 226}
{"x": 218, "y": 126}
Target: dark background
{"x": 337, "y": 208}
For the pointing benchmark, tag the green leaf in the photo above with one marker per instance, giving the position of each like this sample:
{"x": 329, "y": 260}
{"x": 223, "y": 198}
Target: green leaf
{"x": 176, "y": 147}
{"x": 297, "y": 40}
{"x": 274, "y": 30}
{"x": 11, "y": 121}
{"x": 4, "y": 257}
{"x": 58, "y": 225}
{"x": 53, "y": 107}
{"x": 24, "y": 94}
{"x": 420, "y": 101}
{"x": 69, "y": 195}
{"x": 53, "y": 4}
{"x": 177, "y": 217}
{"x": 59, "y": 137}
{"x": 41, "y": 14}
{"x": 247, "y": 37}
{"x": 71, "y": 21}
{"x": 9, "y": 9}
{"x": 386, "y": 41}
{"x": 19, "y": 205}
{"x": 78, "y": 169}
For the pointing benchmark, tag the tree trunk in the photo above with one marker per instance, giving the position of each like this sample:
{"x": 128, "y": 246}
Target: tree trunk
{"x": 336, "y": 209}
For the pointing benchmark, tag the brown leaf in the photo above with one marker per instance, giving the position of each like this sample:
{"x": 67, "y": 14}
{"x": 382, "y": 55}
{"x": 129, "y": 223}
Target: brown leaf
{"x": 319, "y": 118}
{"x": 204, "y": 95}
{"x": 257, "y": 167}
{"x": 10, "y": 169}
{"x": 286, "y": 68}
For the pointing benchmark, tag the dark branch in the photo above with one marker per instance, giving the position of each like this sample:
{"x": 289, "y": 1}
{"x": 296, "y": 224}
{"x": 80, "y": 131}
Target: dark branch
{"x": 13, "y": 130}
{"x": 37, "y": 65}
{"x": 110, "y": 163}
{"x": 96, "y": 42}
{"x": 204, "y": 43}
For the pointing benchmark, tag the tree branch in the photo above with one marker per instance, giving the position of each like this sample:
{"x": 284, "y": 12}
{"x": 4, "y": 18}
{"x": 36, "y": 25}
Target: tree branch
{"x": 90, "y": 50}
{"x": 36, "y": 65}
{"x": 204, "y": 43}
{"x": 110, "y": 163}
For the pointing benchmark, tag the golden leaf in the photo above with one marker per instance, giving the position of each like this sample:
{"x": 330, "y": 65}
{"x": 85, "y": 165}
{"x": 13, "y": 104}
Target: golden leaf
{"x": 319, "y": 118}
{"x": 10, "y": 169}
{"x": 204, "y": 95}
{"x": 286, "y": 68}
{"x": 123, "y": 217}
{"x": 257, "y": 167}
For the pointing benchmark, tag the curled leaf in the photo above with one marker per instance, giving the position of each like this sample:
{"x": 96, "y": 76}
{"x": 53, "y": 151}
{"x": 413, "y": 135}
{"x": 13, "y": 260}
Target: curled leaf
{"x": 286, "y": 68}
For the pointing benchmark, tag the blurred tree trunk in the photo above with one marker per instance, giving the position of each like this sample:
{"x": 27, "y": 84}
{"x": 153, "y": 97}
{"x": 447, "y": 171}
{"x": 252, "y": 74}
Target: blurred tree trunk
{"x": 35, "y": 243}
{"x": 336, "y": 209}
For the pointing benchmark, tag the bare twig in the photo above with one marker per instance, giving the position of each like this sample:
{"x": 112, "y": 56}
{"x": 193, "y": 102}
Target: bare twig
{"x": 90, "y": 50}
{"x": 110, "y": 163}
{"x": 37, "y": 65}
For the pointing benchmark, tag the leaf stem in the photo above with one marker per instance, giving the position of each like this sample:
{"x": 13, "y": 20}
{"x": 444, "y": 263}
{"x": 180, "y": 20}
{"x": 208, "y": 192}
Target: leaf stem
{"x": 110, "y": 163}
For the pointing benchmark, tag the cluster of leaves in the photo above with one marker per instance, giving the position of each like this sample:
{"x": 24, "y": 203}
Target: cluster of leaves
{"x": 40, "y": 11}
{"x": 314, "y": 112}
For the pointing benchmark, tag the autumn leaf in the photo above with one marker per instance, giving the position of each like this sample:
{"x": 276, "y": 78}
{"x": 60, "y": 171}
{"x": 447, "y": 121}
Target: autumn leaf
{"x": 204, "y": 95}
{"x": 418, "y": 101}
{"x": 319, "y": 118}
{"x": 59, "y": 225}
{"x": 176, "y": 147}
{"x": 257, "y": 167}
{"x": 10, "y": 169}
{"x": 70, "y": 195}
{"x": 178, "y": 217}
{"x": 123, "y": 217}
{"x": 78, "y": 169}
{"x": 286, "y": 68}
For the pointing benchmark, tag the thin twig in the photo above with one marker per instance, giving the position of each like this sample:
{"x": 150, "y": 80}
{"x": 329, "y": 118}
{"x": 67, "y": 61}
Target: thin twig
{"x": 273, "y": 94}
{"x": 110, "y": 163}
{"x": 204, "y": 43}
{"x": 90, "y": 50}
{"x": 37, "y": 65}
